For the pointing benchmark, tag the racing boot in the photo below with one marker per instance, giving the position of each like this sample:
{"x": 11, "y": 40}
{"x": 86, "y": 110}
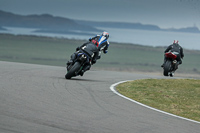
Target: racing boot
{"x": 172, "y": 74}
{"x": 69, "y": 62}
{"x": 85, "y": 68}
{"x": 81, "y": 72}
{"x": 73, "y": 57}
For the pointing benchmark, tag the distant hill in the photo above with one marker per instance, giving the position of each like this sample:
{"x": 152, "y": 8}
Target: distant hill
{"x": 138, "y": 26}
{"x": 52, "y": 24}
{"x": 44, "y": 23}
{"x": 121, "y": 25}
{"x": 188, "y": 29}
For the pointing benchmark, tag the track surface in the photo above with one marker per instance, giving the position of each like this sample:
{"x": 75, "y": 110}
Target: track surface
{"x": 38, "y": 99}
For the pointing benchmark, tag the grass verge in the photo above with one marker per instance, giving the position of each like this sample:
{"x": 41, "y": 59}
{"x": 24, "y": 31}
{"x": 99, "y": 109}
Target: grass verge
{"x": 177, "y": 96}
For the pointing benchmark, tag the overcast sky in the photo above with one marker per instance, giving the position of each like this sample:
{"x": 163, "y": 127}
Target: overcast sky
{"x": 164, "y": 13}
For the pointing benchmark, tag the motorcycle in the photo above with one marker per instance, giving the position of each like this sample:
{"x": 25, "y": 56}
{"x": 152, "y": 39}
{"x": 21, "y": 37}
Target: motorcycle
{"x": 170, "y": 64}
{"x": 74, "y": 69}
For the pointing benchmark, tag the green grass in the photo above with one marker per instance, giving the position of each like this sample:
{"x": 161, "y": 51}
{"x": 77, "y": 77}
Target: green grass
{"x": 177, "y": 96}
{"x": 120, "y": 57}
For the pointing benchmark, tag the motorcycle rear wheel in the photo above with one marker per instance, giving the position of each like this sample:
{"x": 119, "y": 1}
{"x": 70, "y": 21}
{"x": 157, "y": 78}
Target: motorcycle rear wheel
{"x": 167, "y": 68}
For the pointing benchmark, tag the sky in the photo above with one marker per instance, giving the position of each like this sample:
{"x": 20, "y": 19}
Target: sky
{"x": 163, "y": 13}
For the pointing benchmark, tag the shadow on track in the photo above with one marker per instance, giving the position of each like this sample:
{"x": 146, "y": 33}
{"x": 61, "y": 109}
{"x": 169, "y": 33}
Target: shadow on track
{"x": 80, "y": 79}
{"x": 76, "y": 79}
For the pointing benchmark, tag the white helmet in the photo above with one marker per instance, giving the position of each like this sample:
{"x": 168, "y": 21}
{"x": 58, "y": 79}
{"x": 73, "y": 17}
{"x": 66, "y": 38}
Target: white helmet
{"x": 106, "y": 34}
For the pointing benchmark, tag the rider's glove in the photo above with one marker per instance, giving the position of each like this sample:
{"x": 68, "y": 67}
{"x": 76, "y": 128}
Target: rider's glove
{"x": 78, "y": 48}
{"x": 99, "y": 57}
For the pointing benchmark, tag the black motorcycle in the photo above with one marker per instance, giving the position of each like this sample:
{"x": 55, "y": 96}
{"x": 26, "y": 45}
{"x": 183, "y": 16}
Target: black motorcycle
{"x": 170, "y": 64}
{"x": 74, "y": 69}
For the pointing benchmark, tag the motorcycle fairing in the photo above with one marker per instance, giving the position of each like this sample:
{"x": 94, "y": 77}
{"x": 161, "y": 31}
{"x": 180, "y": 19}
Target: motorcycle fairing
{"x": 171, "y": 55}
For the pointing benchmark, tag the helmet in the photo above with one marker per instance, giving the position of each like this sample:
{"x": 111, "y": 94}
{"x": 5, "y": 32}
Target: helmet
{"x": 176, "y": 42}
{"x": 105, "y": 34}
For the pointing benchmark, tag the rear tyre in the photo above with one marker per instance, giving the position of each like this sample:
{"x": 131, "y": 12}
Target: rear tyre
{"x": 73, "y": 70}
{"x": 167, "y": 67}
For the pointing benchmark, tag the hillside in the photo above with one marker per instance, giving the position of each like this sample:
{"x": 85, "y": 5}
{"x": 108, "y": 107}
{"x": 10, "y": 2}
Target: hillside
{"x": 121, "y": 25}
{"x": 47, "y": 23}
{"x": 44, "y": 23}
{"x": 138, "y": 26}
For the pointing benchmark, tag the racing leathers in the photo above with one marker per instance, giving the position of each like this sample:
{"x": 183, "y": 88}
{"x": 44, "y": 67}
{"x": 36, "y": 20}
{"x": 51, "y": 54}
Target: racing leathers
{"x": 91, "y": 50}
{"x": 102, "y": 45}
{"x": 175, "y": 48}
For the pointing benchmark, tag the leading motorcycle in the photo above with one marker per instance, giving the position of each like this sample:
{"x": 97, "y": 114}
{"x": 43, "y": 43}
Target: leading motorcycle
{"x": 74, "y": 69}
{"x": 170, "y": 64}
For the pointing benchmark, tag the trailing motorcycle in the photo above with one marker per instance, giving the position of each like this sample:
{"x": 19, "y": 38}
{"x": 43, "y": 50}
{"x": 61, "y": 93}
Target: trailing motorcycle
{"x": 74, "y": 69}
{"x": 170, "y": 64}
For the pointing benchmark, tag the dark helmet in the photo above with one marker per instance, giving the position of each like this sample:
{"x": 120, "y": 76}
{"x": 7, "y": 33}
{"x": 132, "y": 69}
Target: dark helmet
{"x": 105, "y": 34}
{"x": 176, "y": 42}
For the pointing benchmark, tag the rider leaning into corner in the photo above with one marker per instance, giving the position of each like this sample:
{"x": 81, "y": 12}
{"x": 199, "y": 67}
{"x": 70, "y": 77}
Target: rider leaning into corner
{"x": 93, "y": 48}
{"x": 175, "y": 47}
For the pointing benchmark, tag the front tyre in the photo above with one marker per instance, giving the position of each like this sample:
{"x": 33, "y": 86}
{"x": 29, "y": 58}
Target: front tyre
{"x": 73, "y": 70}
{"x": 167, "y": 68}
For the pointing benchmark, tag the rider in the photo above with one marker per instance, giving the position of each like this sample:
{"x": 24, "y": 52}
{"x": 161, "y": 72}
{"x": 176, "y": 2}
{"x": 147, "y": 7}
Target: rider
{"x": 94, "y": 46}
{"x": 103, "y": 41}
{"x": 175, "y": 47}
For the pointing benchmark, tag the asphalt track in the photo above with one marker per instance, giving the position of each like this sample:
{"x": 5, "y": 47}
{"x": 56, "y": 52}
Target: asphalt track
{"x": 38, "y": 99}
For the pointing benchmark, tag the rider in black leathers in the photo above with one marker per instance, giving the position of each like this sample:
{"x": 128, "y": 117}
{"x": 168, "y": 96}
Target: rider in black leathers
{"x": 175, "y": 47}
{"x": 92, "y": 49}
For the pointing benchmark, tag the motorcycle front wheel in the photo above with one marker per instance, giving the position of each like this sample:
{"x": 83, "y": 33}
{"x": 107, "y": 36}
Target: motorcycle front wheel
{"x": 72, "y": 72}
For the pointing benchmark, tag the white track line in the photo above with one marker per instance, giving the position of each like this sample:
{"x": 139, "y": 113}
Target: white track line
{"x": 112, "y": 87}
